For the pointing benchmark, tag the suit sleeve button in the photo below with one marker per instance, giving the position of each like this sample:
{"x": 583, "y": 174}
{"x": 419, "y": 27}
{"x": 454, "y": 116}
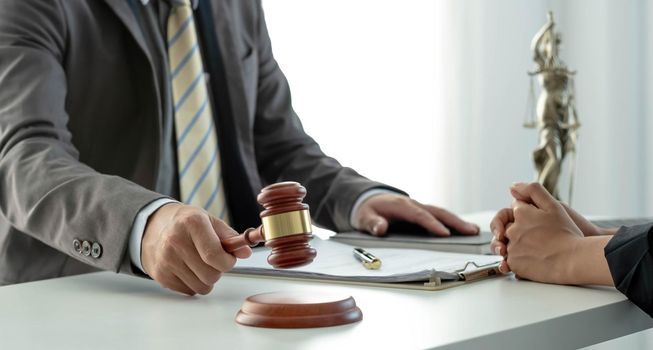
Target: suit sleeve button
{"x": 77, "y": 245}
{"x": 96, "y": 250}
{"x": 86, "y": 248}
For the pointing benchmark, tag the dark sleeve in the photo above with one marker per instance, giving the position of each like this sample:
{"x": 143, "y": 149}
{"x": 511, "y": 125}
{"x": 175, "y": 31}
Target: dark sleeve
{"x": 630, "y": 258}
{"x": 285, "y": 152}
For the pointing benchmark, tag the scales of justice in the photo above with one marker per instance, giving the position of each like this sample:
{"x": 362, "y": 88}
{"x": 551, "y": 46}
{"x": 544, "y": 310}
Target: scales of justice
{"x": 557, "y": 120}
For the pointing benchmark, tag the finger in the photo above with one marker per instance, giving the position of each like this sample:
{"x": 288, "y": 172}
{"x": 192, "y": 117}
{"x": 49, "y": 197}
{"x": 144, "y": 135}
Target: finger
{"x": 512, "y": 231}
{"x": 424, "y": 218}
{"x": 207, "y": 244}
{"x": 174, "y": 283}
{"x": 520, "y": 207}
{"x": 224, "y": 231}
{"x": 588, "y": 228}
{"x": 415, "y": 213}
{"x": 504, "y": 267}
{"x": 403, "y": 208}
{"x": 203, "y": 236}
{"x": 519, "y": 195}
{"x": 206, "y": 273}
{"x": 577, "y": 218}
{"x": 500, "y": 221}
{"x": 453, "y": 221}
{"x": 373, "y": 223}
{"x": 183, "y": 272}
{"x": 498, "y": 247}
{"x": 535, "y": 193}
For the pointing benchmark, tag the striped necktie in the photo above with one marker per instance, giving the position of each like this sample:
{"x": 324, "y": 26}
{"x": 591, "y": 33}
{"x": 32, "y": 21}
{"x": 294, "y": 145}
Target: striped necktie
{"x": 198, "y": 156}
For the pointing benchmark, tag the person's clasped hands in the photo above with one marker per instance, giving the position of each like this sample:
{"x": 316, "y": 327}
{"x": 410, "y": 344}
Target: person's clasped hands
{"x": 539, "y": 237}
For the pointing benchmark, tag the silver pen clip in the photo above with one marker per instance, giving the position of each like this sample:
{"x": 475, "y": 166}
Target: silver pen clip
{"x": 366, "y": 258}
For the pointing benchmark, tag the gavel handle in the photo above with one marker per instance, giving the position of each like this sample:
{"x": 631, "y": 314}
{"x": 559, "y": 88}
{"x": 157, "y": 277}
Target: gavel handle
{"x": 251, "y": 237}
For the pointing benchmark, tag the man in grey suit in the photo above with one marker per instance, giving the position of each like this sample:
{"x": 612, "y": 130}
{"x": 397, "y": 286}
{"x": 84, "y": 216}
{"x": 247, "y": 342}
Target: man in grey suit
{"x": 135, "y": 134}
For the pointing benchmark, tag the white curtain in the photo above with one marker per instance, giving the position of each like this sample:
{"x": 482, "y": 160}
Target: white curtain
{"x": 430, "y": 96}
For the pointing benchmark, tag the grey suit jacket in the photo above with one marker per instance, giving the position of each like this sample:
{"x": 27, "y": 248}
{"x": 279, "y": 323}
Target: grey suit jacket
{"x": 80, "y": 117}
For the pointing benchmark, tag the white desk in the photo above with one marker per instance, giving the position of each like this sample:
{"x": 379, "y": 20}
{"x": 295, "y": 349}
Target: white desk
{"x": 110, "y": 311}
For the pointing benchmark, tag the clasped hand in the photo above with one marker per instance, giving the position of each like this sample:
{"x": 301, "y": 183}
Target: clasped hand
{"x": 540, "y": 238}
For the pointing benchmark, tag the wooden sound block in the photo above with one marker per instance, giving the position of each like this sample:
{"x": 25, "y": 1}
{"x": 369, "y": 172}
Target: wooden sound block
{"x": 298, "y": 310}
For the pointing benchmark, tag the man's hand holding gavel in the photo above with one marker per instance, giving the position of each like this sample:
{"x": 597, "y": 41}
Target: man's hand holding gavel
{"x": 181, "y": 249}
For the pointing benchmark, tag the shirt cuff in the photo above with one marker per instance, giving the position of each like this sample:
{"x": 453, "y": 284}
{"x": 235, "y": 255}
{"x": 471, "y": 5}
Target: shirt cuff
{"x": 365, "y": 196}
{"x": 138, "y": 229}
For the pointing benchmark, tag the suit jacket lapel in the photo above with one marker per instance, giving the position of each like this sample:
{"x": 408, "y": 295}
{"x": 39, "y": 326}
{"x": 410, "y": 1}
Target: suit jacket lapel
{"x": 126, "y": 16}
{"x": 234, "y": 74}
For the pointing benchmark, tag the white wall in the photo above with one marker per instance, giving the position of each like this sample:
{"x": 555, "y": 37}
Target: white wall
{"x": 647, "y": 76}
{"x": 429, "y": 96}
{"x": 364, "y": 77}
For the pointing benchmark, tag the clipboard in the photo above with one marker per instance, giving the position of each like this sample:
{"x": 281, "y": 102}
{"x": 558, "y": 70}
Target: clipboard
{"x": 404, "y": 268}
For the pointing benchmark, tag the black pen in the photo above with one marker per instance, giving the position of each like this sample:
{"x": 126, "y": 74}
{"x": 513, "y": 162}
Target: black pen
{"x": 368, "y": 260}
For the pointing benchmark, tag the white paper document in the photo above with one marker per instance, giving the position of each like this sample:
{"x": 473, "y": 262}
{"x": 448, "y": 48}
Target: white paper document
{"x": 335, "y": 261}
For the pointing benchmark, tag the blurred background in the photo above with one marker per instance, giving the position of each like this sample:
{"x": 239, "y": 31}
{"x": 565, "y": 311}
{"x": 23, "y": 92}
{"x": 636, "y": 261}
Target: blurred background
{"x": 430, "y": 96}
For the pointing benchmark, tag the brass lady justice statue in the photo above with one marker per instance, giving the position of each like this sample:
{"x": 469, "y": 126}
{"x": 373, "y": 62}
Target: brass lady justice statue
{"x": 557, "y": 120}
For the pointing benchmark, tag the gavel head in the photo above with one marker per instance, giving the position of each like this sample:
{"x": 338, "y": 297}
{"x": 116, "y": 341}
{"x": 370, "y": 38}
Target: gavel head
{"x": 286, "y": 225}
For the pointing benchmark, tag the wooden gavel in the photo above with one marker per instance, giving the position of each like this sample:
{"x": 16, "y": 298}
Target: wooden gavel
{"x": 286, "y": 227}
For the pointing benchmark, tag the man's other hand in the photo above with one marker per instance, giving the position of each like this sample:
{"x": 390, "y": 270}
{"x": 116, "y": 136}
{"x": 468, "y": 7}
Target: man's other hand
{"x": 375, "y": 213}
{"x": 181, "y": 249}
